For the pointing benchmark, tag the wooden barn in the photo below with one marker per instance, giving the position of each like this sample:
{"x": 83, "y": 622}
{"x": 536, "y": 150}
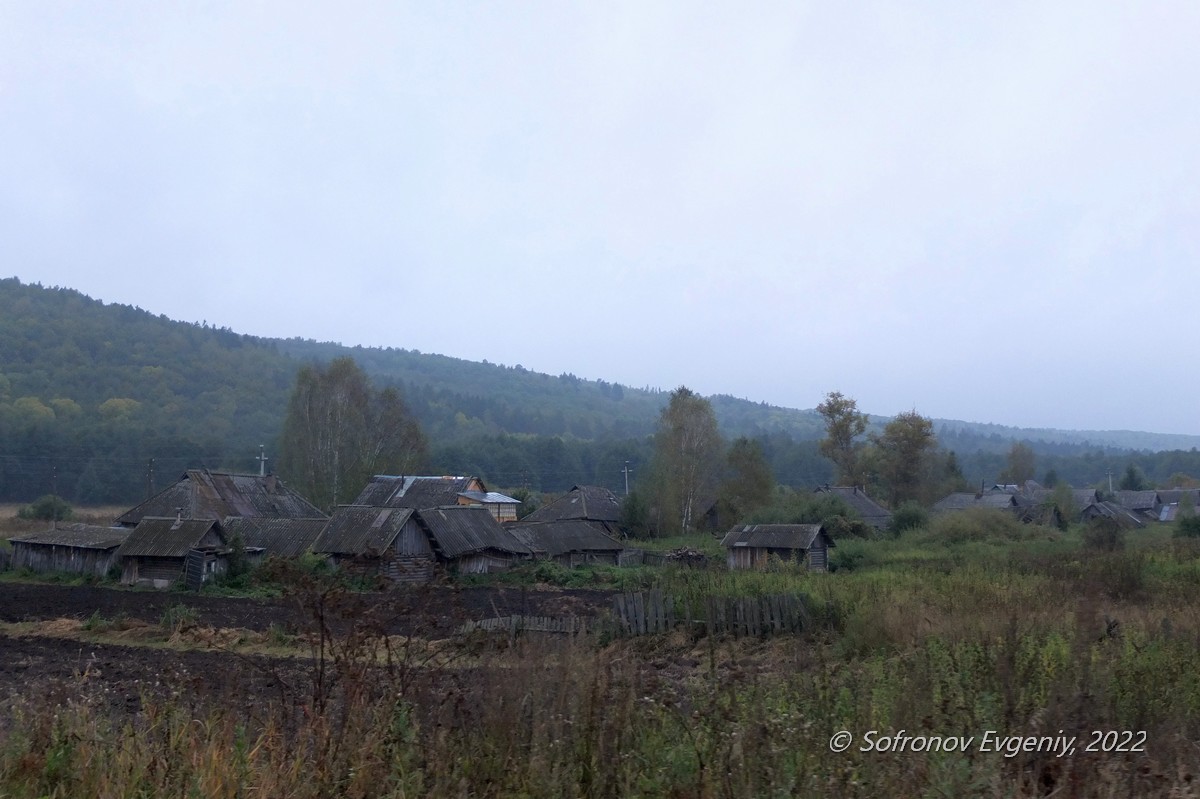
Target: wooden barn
{"x": 570, "y": 542}
{"x": 595, "y": 505}
{"x": 407, "y": 545}
{"x": 385, "y": 542}
{"x": 156, "y": 551}
{"x": 71, "y": 548}
{"x": 751, "y": 546}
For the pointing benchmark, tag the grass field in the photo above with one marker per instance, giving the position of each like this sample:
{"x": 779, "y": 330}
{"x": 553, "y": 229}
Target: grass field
{"x": 976, "y": 659}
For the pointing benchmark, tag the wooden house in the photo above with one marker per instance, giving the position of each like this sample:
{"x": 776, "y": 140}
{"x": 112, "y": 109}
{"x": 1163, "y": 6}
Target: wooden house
{"x": 201, "y": 494}
{"x": 371, "y": 541}
{"x": 407, "y": 545}
{"x": 1145, "y": 504}
{"x": 156, "y": 551}
{"x": 595, "y": 505}
{"x": 570, "y": 542}
{"x": 998, "y": 500}
{"x": 1125, "y": 518}
{"x": 857, "y": 500}
{"x": 751, "y": 546}
{"x": 71, "y": 548}
{"x": 420, "y": 492}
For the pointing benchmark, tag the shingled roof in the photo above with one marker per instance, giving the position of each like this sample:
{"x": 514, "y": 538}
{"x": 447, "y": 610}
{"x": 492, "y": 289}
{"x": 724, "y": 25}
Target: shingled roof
{"x": 358, "y": 530}
{"x": 562, "y": 537}
{"x": 593, "y": 503}
{"x": 285, "y": 538}
{"x": 774, "y": 536}
{"x": 460, "y": 530}
{"x": 201, "y": 494}
{"x": 166, "y": 537}
{"x": 964, "y": 500}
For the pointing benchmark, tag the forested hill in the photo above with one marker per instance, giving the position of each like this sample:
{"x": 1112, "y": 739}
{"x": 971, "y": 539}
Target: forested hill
{"x": 90, "y": 392}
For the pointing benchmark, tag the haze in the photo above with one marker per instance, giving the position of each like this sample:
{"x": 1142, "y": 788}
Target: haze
{"x": 985, "y": 212}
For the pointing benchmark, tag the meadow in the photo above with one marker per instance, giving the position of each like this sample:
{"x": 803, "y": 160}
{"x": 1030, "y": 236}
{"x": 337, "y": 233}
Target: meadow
{"x": 974, "y": 657}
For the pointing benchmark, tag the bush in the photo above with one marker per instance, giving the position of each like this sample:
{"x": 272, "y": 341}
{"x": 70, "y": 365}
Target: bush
{"x": 909, "y": 516}
{"x": 979, "y": 524}
{"x": 1188, "y": 527}
{"x": 1103, "y": 535}
{"x": 46, "y": 508}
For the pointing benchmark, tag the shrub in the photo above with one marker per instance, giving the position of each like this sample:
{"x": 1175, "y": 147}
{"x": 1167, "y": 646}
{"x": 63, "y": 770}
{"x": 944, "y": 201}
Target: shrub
{"x": 979, "y": 524}
{"x": 909, "y": 516}
{"x": 47, "y": 507}
{"x": 1188, "y": 527}
{"x": 1103, "y": 535}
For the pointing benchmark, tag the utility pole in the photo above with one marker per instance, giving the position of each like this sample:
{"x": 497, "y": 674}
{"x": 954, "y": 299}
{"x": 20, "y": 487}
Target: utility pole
{"x": 262, "y": 460}
{"x": 626, "y": 470}
{"x": 1110, "y": 481}
{"x": 150, "y": 479}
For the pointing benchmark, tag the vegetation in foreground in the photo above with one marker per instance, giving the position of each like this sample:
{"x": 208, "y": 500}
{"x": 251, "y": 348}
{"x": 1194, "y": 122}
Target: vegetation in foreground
{"x": 937, "y": 633}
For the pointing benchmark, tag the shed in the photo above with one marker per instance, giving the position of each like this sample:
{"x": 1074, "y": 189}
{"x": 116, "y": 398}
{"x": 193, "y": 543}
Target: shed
{"x": 470, "y": 540}
{"x": 72, "y": 548}
{"x": 751, "y": 546}
{"x": 570, "y": 542}
{"x": 593, "y": 504}
{"x": 156, "y": 550}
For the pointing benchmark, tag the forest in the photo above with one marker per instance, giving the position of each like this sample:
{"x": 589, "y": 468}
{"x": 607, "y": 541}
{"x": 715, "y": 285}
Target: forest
{"x": 105, "y": 403}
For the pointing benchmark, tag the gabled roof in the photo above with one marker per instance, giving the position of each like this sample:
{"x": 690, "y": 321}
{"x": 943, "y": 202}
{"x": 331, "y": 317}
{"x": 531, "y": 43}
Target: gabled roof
{"x": 156, "y": 537}
{"x": 1081, "y": 497}
{"x": 963, "y": 500}
{"x": 1122, "y": 516}
{"x": 400, "y": 491}
{"x": 489, "y": 497}
{"x": 82, "y": 536}
{"x": 286, "y": 538}
{"x": 359, "y": 530}
{"x": 871, "y": 511}
{"x": 459, "y": 530}
{"x": 581, "y": 502}
{"x": 1138, "y": 500}
{"x": 1173, "y": 496}
{"x": 562, "y": 537}
{"x": 775, "y": 536}
{"x": 201, "y": 494}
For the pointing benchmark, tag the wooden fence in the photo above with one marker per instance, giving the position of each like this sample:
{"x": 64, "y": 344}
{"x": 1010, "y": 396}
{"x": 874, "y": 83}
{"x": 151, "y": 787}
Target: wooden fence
{"x": 652, "y": 612}
{"x": 570, "y": 625}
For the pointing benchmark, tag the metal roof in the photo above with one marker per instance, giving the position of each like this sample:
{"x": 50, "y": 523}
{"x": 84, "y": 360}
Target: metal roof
{"x": 559, "y": 538}
{"x": 461, "y": 530}
{"x": 166, "y": 538}
{"x": 358, "y": 530}
{"x": 489, "y": 497}
{"x": 775, "y": 536}
{"x": 415, "y": 491}
{"x": 82, "y": 536}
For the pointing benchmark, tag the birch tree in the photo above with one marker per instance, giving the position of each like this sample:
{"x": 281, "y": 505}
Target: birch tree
{"x": 339, "y": 431}
{"x": 688, "y": 454}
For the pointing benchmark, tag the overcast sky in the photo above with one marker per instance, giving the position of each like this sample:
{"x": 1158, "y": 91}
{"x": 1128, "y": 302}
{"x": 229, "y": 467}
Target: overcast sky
{"x": 984, "y": 211}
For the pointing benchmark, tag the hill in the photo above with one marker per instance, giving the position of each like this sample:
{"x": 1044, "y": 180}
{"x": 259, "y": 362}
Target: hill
{"x": 90, "y": 392}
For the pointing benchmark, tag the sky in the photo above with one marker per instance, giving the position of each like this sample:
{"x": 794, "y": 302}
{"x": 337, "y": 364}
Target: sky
{"x": 981, "y": 211}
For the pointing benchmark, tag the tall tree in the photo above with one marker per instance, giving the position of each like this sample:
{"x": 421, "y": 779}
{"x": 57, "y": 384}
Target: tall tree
{"x": 843, "y": 426}
{"x": 749, "y": 482}
{"x": 904, "y": 452}
{"x": 339, "y": 431}
{"x": 688, "y": 451}
{"x": 1020, "y": 464}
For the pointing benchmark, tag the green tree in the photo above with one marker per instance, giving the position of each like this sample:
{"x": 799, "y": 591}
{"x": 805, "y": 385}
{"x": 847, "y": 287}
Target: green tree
{"x": 687, "y": 459}
{"x": 1020, "y": 464}
{"x": 843, "y": 426}
{"x": 1133, "y": 479}
{"x": 635, "y": 516}
{"x": 339, "y": 431}
{"x": 749, "y": 483}
{"x": 903, "y": 455}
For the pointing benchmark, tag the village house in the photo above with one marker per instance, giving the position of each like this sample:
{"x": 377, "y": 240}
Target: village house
{"x": 752, "y": 546}
{"x": 201, "y": 494}
{"x": 279, "y": 537}
{"x": 419, "y": 492}
{"x": 569, "y": 542}
{"x": 157, "y": 551}
{"x": 857, "y": 500}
